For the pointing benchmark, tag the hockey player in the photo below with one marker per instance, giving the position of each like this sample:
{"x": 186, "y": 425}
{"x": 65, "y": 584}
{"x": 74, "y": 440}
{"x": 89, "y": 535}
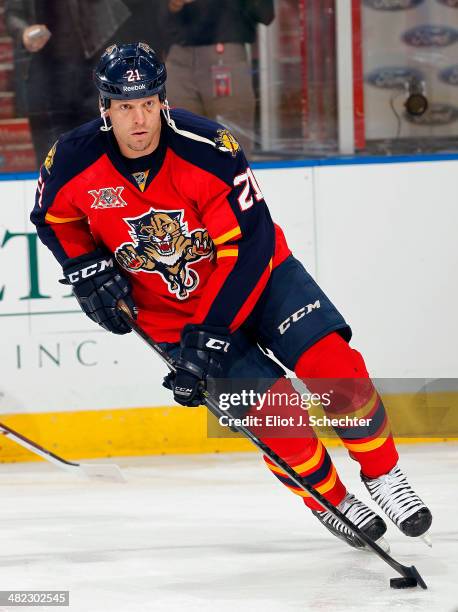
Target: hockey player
{"x": 160, "y": 208}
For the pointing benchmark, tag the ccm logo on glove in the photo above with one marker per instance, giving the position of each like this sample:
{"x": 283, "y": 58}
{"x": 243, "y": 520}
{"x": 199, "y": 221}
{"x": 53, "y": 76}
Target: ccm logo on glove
{"x": 217, "y": 345}
{"x": 99, "y": 266}
{"x": 183, "y": 390}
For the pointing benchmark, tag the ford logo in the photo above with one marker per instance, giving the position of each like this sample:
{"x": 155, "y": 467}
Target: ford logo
{"x": 393, "y": 77}
{"x": 437, "y": 114}
{"x": 449, "y": 3}
{"x": 430, "y": 36}
{"x": 392, "y": 5}
{"x": 449, "y": 75}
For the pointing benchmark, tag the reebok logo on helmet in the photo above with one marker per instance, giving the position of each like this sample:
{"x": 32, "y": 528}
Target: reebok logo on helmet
{"x": 134, "y": 87}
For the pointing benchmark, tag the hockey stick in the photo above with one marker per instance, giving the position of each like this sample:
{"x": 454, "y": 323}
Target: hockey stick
{"x": 110, "y": 471}
{"x": 410, "y": 575}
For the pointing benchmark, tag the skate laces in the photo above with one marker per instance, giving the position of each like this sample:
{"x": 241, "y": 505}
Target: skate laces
{"x": 357, "y": 512}
{"x": 394, "y": 495}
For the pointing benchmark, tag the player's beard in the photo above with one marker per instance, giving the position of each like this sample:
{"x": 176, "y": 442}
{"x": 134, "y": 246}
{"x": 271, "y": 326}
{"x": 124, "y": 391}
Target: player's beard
{"x": 140, "y": 147}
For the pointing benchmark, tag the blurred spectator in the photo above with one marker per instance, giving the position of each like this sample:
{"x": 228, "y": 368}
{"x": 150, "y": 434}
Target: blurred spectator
{"x": 209, "y": 64}
{"x": 55, "y": 43}
{"x": 142, "y": 25}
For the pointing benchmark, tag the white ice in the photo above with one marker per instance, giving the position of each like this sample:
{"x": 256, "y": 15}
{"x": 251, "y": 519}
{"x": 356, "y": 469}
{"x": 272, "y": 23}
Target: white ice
{"x": 215, "y": 533}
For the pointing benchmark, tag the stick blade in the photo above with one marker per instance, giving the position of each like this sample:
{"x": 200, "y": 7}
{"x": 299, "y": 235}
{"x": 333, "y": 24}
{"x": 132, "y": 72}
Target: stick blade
{"x": 407, "y": 582}
{"x": 102, "y": 471}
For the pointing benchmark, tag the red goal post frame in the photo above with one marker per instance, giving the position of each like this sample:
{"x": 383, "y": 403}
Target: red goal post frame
{"x": 358, "y": 79}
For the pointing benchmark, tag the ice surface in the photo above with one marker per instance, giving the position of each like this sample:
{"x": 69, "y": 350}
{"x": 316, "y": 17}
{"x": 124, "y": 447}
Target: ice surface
{"x": 215, "y": 533}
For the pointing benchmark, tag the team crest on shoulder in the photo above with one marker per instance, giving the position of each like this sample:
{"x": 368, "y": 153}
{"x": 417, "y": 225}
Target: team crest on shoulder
{"x": 107, "y": 197}
{"x": 50, "y": 158}
{"x": 227, "y": 142}
{"x": 162, "y": 244}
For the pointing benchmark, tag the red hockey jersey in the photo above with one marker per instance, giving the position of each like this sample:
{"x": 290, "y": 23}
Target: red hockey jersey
{"x": 192, "y": 231}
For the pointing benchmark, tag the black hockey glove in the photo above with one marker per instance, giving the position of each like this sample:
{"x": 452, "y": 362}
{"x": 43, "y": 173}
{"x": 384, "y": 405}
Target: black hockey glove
{"x": 98, "y": 286}
{"x": 204, "y": 352}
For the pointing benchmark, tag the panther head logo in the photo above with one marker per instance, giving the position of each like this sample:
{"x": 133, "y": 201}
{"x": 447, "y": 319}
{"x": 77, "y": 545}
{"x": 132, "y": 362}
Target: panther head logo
{"x": 162, "y": 244}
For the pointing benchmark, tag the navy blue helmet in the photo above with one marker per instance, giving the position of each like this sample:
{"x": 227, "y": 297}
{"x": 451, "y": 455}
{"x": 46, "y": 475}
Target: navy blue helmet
{"x": 129, "y": 71}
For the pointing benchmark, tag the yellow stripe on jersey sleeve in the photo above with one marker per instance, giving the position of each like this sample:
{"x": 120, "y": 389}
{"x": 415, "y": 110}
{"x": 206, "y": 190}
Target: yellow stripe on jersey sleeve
{"x": 233, "y": 233}
{"x": 52, "y": 219}
{"x": 232, "y": 251}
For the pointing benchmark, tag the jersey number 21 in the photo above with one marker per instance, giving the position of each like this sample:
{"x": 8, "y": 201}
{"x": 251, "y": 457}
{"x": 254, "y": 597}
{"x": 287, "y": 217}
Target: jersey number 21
{"x": 250, "y": 188}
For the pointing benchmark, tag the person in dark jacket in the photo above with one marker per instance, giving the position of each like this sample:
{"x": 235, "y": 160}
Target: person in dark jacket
{"x": 209, "y": 66}
{"x": 56, "y": 42}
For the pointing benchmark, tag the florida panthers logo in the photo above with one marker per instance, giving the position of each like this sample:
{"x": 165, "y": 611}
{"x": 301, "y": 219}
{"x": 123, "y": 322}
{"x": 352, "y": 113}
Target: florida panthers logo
{"x": 162, "y": 244}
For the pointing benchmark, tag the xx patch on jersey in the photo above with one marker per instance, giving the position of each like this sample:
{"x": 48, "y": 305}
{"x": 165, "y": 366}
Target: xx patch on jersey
{"x": 107, "y": 197}
{"x": 227, "y": 142}
{"x": 161, "y": 243}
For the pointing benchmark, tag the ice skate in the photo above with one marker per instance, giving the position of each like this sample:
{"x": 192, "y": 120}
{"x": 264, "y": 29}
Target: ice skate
{"x": 363, "y": 517}
{"x": 400, "y": 503}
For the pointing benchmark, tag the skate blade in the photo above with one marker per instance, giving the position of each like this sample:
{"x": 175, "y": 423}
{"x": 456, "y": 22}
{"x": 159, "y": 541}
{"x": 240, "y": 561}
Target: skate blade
{"x": 426, "y": 538}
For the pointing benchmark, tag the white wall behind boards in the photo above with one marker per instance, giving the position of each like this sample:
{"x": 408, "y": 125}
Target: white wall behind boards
{"x": 380, "y": 239}
{"x": 289, "y": 194}
{"x": 387, "y": 252}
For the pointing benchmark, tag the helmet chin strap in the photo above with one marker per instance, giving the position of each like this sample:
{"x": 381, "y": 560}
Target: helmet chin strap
{"x": 166, "y": 111}
{"x": 105, "y": 127}
{"x": 103, "y": 114}
{"x": 171, "y": 123}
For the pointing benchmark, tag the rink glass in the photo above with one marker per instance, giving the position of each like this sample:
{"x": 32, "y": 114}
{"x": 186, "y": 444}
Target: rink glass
{"x": 330, "y": 79}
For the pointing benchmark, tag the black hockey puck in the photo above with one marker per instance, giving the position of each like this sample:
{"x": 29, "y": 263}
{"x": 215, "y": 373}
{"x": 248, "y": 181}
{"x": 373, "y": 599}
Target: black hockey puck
{"x": 403, "y": 583}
